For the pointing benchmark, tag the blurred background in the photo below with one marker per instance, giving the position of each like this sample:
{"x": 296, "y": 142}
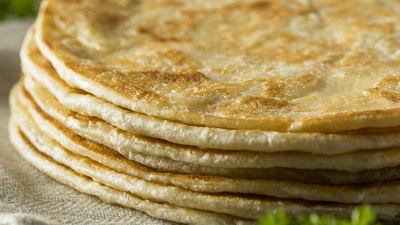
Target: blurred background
{"x": 10, "y": 9}
{"x": 16, "y": 16}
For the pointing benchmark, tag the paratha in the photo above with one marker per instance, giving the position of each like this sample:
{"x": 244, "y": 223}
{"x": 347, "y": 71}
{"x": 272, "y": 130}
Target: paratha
{"x": 87, "y": 185}
{"x": 101, "y": 132}
{"x": 269, "y": 65}
{"x": 163, "y": 210}
{"x": 246, "y": 206}
{"x": 111, "y": 158}
{"x": 269, "y": 86}
{"x": 34, "y": 64}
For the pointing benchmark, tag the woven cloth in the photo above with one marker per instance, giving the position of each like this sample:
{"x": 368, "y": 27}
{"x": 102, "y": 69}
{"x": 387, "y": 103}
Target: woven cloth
{"x": 26, "y": 195}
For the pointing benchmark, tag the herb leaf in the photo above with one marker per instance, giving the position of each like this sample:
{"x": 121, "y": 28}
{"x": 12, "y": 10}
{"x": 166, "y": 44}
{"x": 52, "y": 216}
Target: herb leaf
{"x": 359, "y": 216}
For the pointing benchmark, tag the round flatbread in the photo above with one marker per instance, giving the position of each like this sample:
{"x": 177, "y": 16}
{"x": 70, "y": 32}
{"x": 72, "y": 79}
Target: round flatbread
{"x": 86, "y": 185}
{"x": 110, "y": 158}
{"x": 34, "y": 64}
{"x": 269, "y": 65}
{"x": 101, "y": 132}
{"x": 246, "y": 206}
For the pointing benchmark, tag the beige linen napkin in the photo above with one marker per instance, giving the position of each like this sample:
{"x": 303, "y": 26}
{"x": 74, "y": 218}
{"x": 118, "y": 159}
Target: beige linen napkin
{"x": 26, "y": 195}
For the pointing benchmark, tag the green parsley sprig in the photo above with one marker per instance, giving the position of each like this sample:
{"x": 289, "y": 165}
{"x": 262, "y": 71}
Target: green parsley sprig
{"x": 359, "y": 216}
{"x": 18, "y": 8}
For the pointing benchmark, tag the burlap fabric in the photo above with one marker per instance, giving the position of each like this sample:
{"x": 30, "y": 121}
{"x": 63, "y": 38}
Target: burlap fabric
{"x": 26, "y": 195}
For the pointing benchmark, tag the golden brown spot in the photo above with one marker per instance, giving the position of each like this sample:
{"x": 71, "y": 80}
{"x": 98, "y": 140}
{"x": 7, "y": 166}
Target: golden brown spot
{"x": 50, "y": 43}
{"x": 110, "y": 21}
{"x": 284, "y": 53}
{"x": 391, "y": 96}
{"x": 287, "y": 37}
{"x": 164, "y": 3}
{"x": 83, "y": 69}
{"x": 269, "y": 69}
{"x": 217, "y": 93}
{"x": 279, "y": 86}
{"x": 304, "y": 79}
{"x": 86, "y": 118}
{"x": 216, "y": 69}
{"x": 275, "y": 87}
{"x": 175, "y": 57}
{"x": 364, "y": 58}
{"x": 387, "y": 88}
{"x": 140, "y": 94}
{"x": 303, "y": 110}
{"x": 258, "y": 101}
{"x": 389, "y": 81}
{"x": 180, "y": 78}
{"x": 258, "y": 5}
{"x": 177, "y": 27}
{"x": 156, "y": 37}
{"x": 124, "y": 82}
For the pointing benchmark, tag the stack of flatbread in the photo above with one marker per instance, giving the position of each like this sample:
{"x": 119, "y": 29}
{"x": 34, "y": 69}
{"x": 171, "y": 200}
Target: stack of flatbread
{"x": 215, "y": 112}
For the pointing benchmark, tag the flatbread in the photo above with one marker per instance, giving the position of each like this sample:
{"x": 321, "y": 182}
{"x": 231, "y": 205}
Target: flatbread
{"x": 246, "y": 206}
{"x": 269, "y": 65}
{"x": 111, "y": 158}
{"x": 101, "y": 132}
{"x": 162, "y": 210}
{"x": 86, "y": 185}
{"x": 258, "y": 74}
{"x": 34, "y": 64}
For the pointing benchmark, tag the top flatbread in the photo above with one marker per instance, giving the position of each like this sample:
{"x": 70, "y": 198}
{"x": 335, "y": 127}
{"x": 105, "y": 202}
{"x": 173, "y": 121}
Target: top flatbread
{"x": 271, "y": 65}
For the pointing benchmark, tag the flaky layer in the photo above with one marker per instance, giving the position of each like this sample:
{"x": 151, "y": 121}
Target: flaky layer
{"x": 162, "y": 210}
{"x": 86, "y": 185}
{"x": 248, "y": 207}
{"x": 243, "y": 206}
{"x": 101, "y": 132}
{"x": 110, "y": 158}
